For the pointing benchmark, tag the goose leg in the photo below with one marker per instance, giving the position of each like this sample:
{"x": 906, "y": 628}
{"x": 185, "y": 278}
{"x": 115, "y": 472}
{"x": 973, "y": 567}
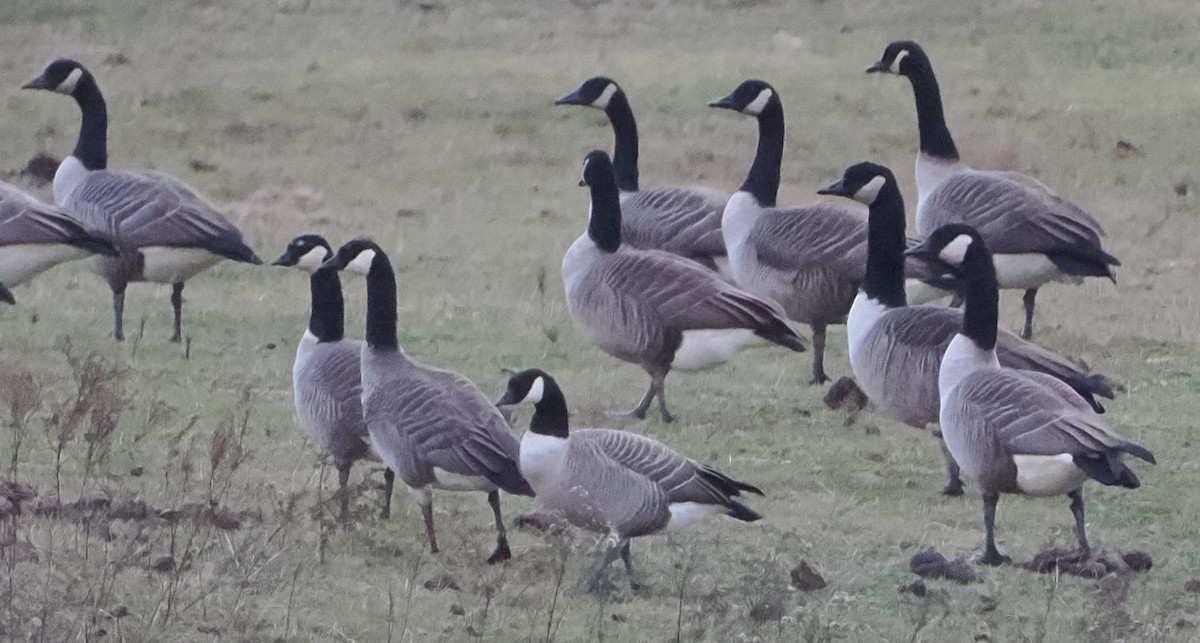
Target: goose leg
{"x": 177, "y": 304}
{"x": 1076, "y": 497}
{"x": 502, "y": 551}
{"x": 389, "y": 479}
{"x": 991, "y": 555}
{"x": 658, "y": 385}
{"x": 954, "y": 485}
{"x": 1030, "y": 296}
{"x": 818, "y": 365}
{"x": 611, "y": 550}
{"x": 627, "y": 558}
{"x": 639, "y": 411}
{"x": 426, "y": 501}
{"x": 343, "y": 493}
{"x": 119, "y": 314}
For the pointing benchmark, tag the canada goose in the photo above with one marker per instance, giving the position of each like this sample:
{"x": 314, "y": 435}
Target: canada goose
{"x": 809, "y": 259}
{"x": 610, "y": 481}
{"x": 644, "y": 306}
{"x": 326, "y": 376}
{"x": 1013, "y": 431}
{"x": 896, "y": 350}
{"x": 35, "y": 236}
{"x": 1035, "y": 236}
{"x": 434, "y": 428}
{"x": 165, "y": 231}
{"x": 682, "y": 220}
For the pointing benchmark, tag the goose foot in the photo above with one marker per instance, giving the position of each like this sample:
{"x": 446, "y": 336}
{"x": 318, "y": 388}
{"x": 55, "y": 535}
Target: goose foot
{"x": 992, "y": 559}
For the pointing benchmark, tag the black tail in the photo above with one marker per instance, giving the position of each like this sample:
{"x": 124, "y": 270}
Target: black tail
{"x": 1089, "y": 385}
{"x": 1108, "y": 468}
{"x": 727, "y": 485}
{"x": 741, "y": 512}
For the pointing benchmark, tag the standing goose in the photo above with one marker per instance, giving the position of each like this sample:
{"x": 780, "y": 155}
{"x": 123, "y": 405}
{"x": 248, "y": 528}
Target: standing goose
{"x": 165, "y": 231}
{"x": 646, "y": 306}
{"x": 613, "y": 482}
{"x": 434, "y": 428}
{"x": 35, "y": 236}
{"x": 1013, "y": 431}
{"x": 682, "y": 220}
{"x": 1035, "y": 236}
{"x": 326, "y": 376}
{"x": 896, "y": 350}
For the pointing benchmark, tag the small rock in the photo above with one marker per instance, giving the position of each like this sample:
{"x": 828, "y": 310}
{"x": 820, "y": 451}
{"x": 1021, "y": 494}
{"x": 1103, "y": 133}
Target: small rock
{"x": 1126, "y": 150}
{"x": 805, "y": 578}
{"x": 457, "y": 609}
{"x": 1181, "y": 189}
{"x": 1138, "y": 561}
{"x": 1192, "y": 586}
{"x": 916, "y": 588}
{"x": 986, "y": 604}
{"x": 847, "y": 396}
{"x": 931, "y": 564}
{"x": 137, "y": 471}
{"x": 441, "y": 582}
{"x": 163, "y": 564}
{"x": 119, "y": 611}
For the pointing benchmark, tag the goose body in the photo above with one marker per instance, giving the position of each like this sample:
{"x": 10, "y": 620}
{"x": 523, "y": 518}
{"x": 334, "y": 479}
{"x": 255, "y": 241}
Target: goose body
{"x": 1014, "y": 431}
{"x": 895, "y": 349}
{"x": 652, "y": 308}
{"x": 326, "y": 375}
{"x": 164, "y": 231}
{"x": 35, "y": 236}
{"x": 1035, "y": 236}
{"x": 809, "y": 259}
{"x": 682, "y": 220}
{"x": 614, "y": 482}
{"x": 433, "y": 427}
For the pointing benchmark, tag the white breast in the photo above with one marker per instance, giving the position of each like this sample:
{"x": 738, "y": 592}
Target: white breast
{"x": 541, "y": 457}
{"x": 1027, "y": 270}
{"x": 68, "y": 176}
{"x": 686, "y": 514}
{"x": 741, "y": 213}
{"x": 170, "y": 265}
{"x": 864, "y": 313}
{"x": 1048, "y": 475}
{"x": 19, "y": 262}
{"x": 703, "y": 349}
{"x": 458, "y": 482}
{"x": 962, "y": 358}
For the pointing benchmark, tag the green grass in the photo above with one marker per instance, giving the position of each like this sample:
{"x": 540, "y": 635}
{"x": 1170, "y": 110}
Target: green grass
{"x": 432, "y": 131}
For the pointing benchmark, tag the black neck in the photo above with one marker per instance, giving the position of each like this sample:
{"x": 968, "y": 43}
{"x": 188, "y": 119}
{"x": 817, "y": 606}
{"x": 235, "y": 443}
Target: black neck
{"x": 92, "y": 147}
{"x": 325, "y": 321}
{"x": 604, "y": 225}
{"x": 625, "y": 151}
{"x": 550, "y": 414}
{"x": 763, "y": 179}
{"x": 931, "y": 121}
{"x": 981, "y": 295}
{"x": 381, "y": 305}
{"x": 884, "y": 280}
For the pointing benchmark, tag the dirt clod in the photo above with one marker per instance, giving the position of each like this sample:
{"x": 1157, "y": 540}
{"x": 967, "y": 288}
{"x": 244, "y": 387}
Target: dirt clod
{"x": 163, "y": 564}
{"x": 807, "y": 579}
{"x": 916, "y": 588}
{"x": 438, "y": 583}
{"x": 1192, "y": 586}
{"x": 847, "y": 396}
{"x": 931, "y": 564}
{"x": 1138, "y": 561}
{"x": 457, "y": 609}
{"x": 40, "y": 169}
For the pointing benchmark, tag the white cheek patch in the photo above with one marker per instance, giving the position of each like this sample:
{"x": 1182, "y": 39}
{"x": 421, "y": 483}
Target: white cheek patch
{"x": 362, "y": 263}
{"x": 867, "y": 193}
{"x": 583, "y": 175}
{"x": 312, "y": 259}
{"x": 954, "y": 251}
{"x": 535, "y": 391}
{"x": 758, "y": 104}
{"x": 67, "y": 86}
{"x": 895, "y": 68}
{"x": 602, "y": 101}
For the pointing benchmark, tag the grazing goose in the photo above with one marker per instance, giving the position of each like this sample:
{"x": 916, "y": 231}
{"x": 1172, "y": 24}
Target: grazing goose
{"x": 434, "y": 428}
{"x": 809, "y": 259}
{"x": 682, "y": 220}
{"x": 1013, "y": 431}
{"x": 35, "y": 236}
{"x": 326, "y": 376}
{"x": 646, "y": 306}
{"x": 1035, "y": 236}
{"x": 613, "y": 482}
{"x": 896, "y": 350}
{"x": 165, "y": 232}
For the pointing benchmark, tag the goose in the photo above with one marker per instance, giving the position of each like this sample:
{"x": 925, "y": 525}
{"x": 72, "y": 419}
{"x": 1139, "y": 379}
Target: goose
{"x": 682, "y": 220}
{"x": 164, "y": 230}
{"x": 1014, "y": 431}
{"x": 35, "y": 236}
{"x": 614, "y": 482}
{"x": 895, "y": 349}
{"x": 1035, "y": 236}
{"x": 326, "y": 376}
{"x": 646, "y": 306}
{"x": 809, "y": 259}
{"x": 433, "y": 427}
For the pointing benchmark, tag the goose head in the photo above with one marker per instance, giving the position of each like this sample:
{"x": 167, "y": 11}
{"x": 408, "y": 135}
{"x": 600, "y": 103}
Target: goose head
{"x": 752, "y": 97}
{"x": 526, "y": 387}
{"x": 861, "y": 182}
{"x": 948, "y": 247}
{"x": 597, "y": 170}
{"x": 306, "y": 252}
{"x": 357, "y": 255}
{"x": 62, "y": 76}
{"x": 901, "y": 58}
{"x": 594, "y": 92}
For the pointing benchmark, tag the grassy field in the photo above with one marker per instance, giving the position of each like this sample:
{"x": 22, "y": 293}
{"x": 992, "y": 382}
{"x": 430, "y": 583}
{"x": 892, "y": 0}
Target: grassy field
{"x": 430, "y": 128}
